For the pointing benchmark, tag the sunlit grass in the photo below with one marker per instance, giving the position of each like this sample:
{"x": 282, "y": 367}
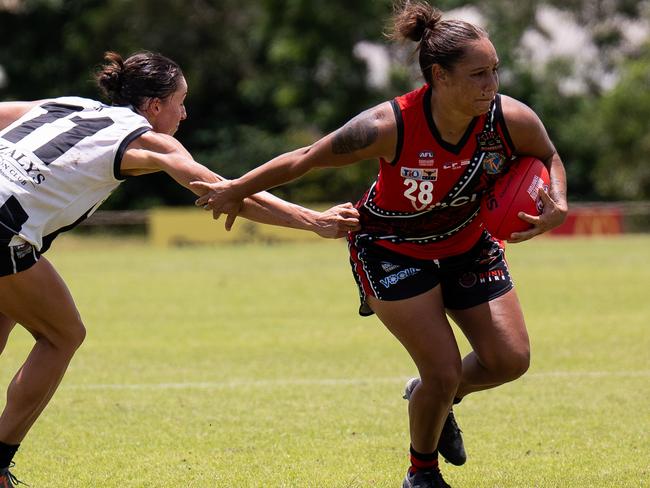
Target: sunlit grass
{"x": 248, "y": 366}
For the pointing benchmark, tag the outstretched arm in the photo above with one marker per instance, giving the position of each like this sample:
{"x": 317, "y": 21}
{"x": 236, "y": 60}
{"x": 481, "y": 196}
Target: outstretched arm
{"x": 531, "y": 139}
{"x": 153, "y": 152}
{"x": 372, "y": 134}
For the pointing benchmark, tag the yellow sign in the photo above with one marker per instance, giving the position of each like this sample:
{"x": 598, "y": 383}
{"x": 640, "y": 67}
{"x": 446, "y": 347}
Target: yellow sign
{"x": 191, "y": 226}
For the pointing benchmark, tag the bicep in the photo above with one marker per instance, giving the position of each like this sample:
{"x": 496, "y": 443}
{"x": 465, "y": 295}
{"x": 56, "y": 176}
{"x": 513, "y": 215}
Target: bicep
{"x": 371, "y": 134}
{"x": 151, "y": 152}
{"x": 527, "y": 132}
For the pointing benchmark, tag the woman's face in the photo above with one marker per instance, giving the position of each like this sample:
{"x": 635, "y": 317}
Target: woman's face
{"x": 168, "y": 112}
{"x": 472, "y": 83}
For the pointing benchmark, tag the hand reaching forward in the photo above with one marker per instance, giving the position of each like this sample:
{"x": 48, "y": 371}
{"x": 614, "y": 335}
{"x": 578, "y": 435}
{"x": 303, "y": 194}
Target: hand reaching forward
{"x": 337, "y": 221}
{"x": 263, "y": 207}
{"x": 218, "y": 199}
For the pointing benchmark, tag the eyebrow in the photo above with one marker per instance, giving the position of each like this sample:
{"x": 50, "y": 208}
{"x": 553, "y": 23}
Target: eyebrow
{"x": 484, "y": 67}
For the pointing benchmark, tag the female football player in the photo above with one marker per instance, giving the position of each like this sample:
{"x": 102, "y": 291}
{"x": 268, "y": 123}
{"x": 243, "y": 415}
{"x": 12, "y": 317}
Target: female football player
{"x": 59, "y": 160}
{"x": 422, "y": 253}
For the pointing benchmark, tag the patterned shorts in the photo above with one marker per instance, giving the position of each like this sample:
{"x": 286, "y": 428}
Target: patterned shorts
{"x": 14, "y": 259}
{"x": 469, "y": 279}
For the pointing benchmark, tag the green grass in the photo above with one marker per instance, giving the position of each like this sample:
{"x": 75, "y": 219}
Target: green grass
{"x": 249, "y": 367}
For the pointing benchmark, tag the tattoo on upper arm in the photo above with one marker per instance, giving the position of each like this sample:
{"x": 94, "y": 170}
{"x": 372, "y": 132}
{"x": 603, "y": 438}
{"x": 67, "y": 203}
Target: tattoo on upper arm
{"x": 357, "y": 134}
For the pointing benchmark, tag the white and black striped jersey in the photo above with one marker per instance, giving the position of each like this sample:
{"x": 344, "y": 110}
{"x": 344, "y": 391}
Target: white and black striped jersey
{"x": 58, "y": 163}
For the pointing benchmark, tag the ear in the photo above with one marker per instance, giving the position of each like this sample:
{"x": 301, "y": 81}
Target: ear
{"x": 152, "y": 107}
{"x": 155, "y": 106}
{"x": 438, "y": 73}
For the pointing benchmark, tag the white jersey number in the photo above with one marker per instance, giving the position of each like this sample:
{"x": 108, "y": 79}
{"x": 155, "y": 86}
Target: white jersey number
{"x": 419, "y": 192}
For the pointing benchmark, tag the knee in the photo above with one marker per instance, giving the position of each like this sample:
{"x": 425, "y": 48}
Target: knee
{"x": 442, "y": 382}
{"x": 67, "y": 340}
{"x": 509, "y": 367}
{"x": 78, "y": 335}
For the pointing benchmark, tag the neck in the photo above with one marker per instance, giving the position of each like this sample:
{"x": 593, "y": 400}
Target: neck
{"x": 448, "y": 119}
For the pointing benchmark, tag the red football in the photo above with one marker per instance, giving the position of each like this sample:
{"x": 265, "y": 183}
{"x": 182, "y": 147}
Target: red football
{"x": 513, "y": 192}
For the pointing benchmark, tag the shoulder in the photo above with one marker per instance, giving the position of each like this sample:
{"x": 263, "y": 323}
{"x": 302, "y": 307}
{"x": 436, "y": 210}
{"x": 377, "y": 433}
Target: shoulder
{"x": 376, "y": 122}
{"x": 383, "y": 114}
{"x": 78, "y": 102}
{"x": 526, "y": 130}
{"x": 155, "y": 142}
{"x": 517, "y": 115}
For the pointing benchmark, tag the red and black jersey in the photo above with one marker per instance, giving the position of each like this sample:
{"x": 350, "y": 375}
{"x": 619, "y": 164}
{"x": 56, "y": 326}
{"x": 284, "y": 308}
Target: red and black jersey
{"x": 426, "y": 201}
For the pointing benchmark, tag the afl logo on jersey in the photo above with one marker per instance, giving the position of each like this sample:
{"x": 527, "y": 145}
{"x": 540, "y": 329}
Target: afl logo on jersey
{"x": 425, "y": 158}
{"x": 493, "y": 163}
{"x": 420, "y": 174}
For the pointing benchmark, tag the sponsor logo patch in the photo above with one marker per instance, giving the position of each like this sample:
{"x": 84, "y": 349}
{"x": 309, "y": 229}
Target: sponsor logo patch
{"x": 22, "y": 250}
{"x": 420, "y": 174}
{"x": 489, "y": 141}
{"x": 388, "y": 267}
{"x": 490, "y": 276}
{"x": 468, "y": 280}
{"x": 399, "y": 276}
{"x": 454, "y": 165}
{"x": 493, "y": 163}
{"x": 425, "y": 158}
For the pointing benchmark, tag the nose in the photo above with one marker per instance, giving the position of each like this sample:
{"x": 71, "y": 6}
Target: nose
{"x": 492, "y": 85}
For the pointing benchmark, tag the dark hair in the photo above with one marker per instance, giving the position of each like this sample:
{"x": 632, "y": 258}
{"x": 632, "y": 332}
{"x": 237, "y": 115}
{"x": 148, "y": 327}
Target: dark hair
{"x": 143, "y": 75}
{"x": 439, "y": 41}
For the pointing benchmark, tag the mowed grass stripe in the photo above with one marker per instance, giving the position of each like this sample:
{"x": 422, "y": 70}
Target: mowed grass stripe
{"x": 238, "y": 383}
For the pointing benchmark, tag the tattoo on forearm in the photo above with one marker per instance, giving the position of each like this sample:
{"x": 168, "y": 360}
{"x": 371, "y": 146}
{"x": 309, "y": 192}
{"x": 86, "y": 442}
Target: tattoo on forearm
{"x": 557, "y": 192}
{"x": 357, "y": 134}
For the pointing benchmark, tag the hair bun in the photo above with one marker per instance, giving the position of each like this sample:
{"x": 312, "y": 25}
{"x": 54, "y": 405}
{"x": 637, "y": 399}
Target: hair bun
{"x": 412, "y": 20}
{"x": 110, "y": 76}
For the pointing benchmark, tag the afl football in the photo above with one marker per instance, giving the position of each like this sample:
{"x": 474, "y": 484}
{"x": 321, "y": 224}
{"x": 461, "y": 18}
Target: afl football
{"x": 515, "y": 191}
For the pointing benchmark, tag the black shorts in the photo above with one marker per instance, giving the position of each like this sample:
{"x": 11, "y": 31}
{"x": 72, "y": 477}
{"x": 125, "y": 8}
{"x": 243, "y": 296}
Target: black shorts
{"x": 14, "y": 259}
{"x": 469, "y": 279}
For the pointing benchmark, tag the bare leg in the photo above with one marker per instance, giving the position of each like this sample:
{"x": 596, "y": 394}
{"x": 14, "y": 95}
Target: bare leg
{"x": 497, "y": 332}
{"x": 6, "y": 326}
{"x": 421, "y": 325}
{"x": 39, "y": 300}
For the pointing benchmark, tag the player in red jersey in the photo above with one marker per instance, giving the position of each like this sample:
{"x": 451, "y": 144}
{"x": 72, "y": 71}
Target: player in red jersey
{"x": 422, "y": 254}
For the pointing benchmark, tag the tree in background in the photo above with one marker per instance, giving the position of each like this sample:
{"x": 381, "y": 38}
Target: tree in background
{"x": 266, "y": 76}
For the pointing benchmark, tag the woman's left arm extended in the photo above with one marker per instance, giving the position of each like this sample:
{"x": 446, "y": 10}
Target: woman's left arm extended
{"x": 153, "y": 152}
{"x": 530, "y": 138}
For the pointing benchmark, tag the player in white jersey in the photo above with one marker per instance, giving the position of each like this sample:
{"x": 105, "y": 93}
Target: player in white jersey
{"x": 59, "y": 160}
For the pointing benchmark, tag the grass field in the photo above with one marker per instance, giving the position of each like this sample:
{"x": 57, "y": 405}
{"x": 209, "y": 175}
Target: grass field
{"x": 249, "y": 367}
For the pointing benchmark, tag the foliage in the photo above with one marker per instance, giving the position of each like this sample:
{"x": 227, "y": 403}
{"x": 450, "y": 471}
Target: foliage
{"x": 623, "y": 163}
{"x": 271, "y": 75}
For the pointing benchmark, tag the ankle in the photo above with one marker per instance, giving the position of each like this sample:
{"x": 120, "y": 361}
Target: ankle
{"x": 7, "y": 452}
{"x": 423, "y": 461}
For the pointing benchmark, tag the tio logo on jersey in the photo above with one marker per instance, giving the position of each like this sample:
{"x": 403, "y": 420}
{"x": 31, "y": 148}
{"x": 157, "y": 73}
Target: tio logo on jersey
{"x": 420, "y": 174}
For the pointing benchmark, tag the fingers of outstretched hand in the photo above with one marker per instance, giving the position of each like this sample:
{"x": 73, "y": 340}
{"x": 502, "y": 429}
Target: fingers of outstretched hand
{"x": 230, "y": 220}
{"x": 350, "y": 223}
{"x": 202, "y": 201}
